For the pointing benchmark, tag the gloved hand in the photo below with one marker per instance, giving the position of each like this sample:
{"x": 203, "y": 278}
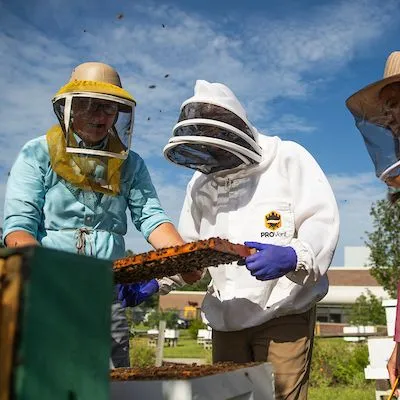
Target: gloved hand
{"x": 270, "y": 261}
{"x": 131, "y": 295}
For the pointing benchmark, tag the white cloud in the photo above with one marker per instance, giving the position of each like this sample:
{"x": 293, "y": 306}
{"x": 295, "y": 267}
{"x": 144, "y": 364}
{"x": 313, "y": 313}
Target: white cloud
{"x": 326, "y": 38}
{"x": 171, "y": 193}
{"x": 135, "y": 241}
{"x": 262, "y": 61}
{"x": 288, "y": 124}
{"x": 355, "y": 195}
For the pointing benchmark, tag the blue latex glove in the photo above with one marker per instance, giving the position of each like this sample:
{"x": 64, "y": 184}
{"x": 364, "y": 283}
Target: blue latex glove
{"x": 133, "y": 294}
{"x": 270, "y": 261}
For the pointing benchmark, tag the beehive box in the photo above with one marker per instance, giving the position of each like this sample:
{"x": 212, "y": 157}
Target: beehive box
{"x": 226, "y": 381}
{"x": 55, "y": 311}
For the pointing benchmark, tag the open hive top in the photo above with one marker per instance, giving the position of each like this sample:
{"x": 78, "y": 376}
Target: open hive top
{"x": 175, "y": 371}
{"x": 174, "y": 260}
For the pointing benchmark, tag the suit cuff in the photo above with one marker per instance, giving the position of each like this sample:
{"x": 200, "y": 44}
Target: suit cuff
{"x": 305, "y": 261}
{"x": 169, "y": 283}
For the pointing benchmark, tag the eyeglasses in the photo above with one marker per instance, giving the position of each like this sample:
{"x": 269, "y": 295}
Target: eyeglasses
{"x": 84, "y": 104}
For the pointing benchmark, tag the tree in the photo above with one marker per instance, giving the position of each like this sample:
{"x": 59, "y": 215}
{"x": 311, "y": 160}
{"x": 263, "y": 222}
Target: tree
{"x": 367, "y": 310}
{"x": 151, "y": 302}
{"x": 129, "y": 315}
{"x": 384, "y": 243}
{"x": 170, "y": 316}
{"x": 194, "y": 327}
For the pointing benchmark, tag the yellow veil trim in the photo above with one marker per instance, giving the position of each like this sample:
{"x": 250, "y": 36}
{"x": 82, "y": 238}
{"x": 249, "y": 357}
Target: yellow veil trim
{"x": 95, "y": 87}
{"x": 76, "y": 169}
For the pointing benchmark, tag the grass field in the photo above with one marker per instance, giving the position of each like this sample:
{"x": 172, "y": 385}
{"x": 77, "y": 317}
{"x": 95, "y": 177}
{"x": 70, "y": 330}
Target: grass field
{"x": 188, "y": 348}
{"x": 342, "y": 393}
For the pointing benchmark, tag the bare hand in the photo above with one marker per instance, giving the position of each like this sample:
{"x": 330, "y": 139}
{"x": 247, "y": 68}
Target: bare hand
{"x": 393, "y": 367}
{"x": 20, "y": 239}
{"x": 192, "y": 277}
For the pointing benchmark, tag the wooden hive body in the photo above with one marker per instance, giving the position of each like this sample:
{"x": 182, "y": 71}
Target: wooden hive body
{"x": 55, "y": 311}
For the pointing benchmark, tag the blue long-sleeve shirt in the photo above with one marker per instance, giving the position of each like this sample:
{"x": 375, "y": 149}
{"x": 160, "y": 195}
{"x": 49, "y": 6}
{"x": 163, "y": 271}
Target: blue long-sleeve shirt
{"x": 41, "y": 203}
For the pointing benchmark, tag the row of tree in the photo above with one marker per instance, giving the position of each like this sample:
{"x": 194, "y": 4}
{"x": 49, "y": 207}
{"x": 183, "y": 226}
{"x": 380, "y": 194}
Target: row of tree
{"x": 384, "y": 244}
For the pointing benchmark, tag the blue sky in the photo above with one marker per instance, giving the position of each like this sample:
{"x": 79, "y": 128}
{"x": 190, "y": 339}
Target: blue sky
{"x": 292, "y": 64}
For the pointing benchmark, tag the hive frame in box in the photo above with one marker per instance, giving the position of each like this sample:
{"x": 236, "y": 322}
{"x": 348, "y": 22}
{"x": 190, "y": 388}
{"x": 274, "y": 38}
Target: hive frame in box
{"x": 248, "y": 383}
{"x": 178, "y": 259}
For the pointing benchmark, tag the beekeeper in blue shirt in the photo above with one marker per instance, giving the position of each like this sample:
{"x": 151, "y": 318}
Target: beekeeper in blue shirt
{"x": 69, "y": 190}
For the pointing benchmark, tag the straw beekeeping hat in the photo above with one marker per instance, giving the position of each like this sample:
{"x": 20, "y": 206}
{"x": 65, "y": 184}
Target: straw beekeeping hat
{"x": 366, "y": 103}
{"x": 95, "y": 77}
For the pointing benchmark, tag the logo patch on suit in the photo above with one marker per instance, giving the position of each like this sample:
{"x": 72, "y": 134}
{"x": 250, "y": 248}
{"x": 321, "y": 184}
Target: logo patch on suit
{"x": 273, "y": 220}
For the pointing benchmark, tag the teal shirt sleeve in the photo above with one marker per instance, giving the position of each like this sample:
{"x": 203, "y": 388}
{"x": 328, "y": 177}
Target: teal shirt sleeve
{"x": 25, "y": 193}
{"x": 144, "y": 205}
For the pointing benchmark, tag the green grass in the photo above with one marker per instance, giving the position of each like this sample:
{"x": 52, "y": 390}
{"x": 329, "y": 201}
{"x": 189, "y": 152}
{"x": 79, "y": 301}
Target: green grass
{"x": 342, "y": 393}
{"x": 186, "y": 347}
{"x": 141, "y": 327}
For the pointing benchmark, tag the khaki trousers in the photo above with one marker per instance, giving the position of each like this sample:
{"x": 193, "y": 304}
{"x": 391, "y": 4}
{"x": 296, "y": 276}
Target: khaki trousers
{"x": 285, "y": 342}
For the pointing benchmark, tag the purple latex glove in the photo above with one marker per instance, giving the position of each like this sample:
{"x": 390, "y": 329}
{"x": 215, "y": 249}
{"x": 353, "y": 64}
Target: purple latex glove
{"x": 270, "y": 261}
{"x": 133, "y": 294}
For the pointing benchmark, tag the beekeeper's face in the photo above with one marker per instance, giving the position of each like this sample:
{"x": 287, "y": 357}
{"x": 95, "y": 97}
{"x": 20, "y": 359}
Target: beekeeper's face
{"x": 390, "y": 96}
{"x": 393, "y": 181}
{"x": 93, "y": 118}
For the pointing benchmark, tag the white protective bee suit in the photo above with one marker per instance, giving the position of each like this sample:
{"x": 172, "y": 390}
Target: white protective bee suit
{"x": 263, "y": 190}
{"x": 289, "y": 184}
{"x": 249, "y": 187}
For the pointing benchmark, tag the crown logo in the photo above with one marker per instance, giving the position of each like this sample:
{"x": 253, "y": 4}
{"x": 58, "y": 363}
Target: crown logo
{"x": 273, "y": 220}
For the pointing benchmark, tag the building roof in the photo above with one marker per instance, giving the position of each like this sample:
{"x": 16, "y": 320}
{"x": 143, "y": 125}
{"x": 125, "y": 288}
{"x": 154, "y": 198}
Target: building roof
{"x": 349, "y": 294}
{"x": 179, "y": 300}
{"x": 345, "y": 276}
{"x": 345, "y": 285}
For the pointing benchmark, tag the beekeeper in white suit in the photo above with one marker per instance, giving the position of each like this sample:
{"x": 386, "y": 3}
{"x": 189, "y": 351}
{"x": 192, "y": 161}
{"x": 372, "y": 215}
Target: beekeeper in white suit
{"x": 268, "y": 194}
